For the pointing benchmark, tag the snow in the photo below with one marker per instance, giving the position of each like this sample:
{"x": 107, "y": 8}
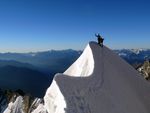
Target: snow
{"x": 98, "y": 82}
{"x": 54, "y": 100}
{"x": 83, "y": 66}
{"x": 137, "y": 51}
{"x": 15, "y": 107}
{"x": 40, "y": 108}
{"x": 122, "y": 54}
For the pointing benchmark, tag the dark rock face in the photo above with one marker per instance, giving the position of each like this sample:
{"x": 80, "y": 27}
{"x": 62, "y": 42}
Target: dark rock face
{"x": 3, "y": 101}
{"x": 145, "y": 70}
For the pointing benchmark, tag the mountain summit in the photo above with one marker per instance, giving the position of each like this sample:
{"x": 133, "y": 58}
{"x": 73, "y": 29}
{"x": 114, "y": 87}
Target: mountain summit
{"x": 98, "y": 82}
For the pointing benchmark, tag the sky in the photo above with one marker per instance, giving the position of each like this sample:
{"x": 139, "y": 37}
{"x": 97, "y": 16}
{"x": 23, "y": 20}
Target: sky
{"x": 39, "y": 25}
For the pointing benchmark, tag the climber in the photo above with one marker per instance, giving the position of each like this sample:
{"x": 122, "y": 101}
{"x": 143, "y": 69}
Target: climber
{"x": 100, "y": 39}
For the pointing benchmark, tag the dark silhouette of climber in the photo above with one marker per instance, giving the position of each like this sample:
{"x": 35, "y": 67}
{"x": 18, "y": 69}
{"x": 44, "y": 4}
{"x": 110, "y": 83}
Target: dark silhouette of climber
{"x": 100, "y": 39}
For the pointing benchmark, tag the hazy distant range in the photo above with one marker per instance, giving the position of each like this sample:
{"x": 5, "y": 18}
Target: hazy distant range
{"x": 48, "y": 62}
{"x": 57, "y": 61}
{"x": 33, "y": 72}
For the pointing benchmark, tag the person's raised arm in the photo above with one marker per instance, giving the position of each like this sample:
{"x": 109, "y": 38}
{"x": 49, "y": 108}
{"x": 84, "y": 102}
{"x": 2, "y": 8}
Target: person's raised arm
{"x": 96, "y": 35}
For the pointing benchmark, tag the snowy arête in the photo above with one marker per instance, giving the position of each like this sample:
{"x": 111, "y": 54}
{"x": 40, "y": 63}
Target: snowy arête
{"x": 98, "y": 82}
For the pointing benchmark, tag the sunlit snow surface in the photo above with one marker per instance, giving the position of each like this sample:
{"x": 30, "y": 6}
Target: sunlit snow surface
{"x": 98, "y": 82}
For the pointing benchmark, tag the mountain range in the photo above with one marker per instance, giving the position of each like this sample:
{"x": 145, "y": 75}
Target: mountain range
{"x": 133, "y": 56}
{"x": 48, "y": 62}
{"x": 51, "y": 62}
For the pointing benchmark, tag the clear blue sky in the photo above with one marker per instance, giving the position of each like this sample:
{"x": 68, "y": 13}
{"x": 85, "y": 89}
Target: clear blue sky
{"x": 36, "y": 25}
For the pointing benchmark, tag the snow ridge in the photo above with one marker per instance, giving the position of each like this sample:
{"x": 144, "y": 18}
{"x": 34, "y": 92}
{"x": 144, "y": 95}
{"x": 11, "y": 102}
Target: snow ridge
{"x": 84, "y": 65}
{"x": 99, "y": 81}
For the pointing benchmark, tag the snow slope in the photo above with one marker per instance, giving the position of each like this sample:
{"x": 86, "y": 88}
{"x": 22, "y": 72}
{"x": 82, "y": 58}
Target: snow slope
{"x": 98, "y": 82}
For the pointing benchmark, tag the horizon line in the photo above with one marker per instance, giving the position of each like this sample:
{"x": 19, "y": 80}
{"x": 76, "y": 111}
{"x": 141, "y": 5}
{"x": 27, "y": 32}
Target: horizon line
{"x": 48, "y": 50}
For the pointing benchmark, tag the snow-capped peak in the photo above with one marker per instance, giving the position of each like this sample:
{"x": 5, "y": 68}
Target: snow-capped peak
{"x": 99, "y": 81}
{"x": 137, "y": 51}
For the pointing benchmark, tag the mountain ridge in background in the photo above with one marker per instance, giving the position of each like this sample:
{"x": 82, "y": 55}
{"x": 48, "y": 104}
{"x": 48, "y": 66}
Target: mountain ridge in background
{"x": 48, "y": 62}
{"x": 51, "y": 62}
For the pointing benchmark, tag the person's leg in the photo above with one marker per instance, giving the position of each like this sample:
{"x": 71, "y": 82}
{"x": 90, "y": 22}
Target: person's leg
{"x": 100, "y": 44}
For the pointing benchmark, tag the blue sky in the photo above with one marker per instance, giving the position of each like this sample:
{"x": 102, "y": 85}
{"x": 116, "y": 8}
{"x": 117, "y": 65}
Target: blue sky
{"x": 37, "y": 25}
